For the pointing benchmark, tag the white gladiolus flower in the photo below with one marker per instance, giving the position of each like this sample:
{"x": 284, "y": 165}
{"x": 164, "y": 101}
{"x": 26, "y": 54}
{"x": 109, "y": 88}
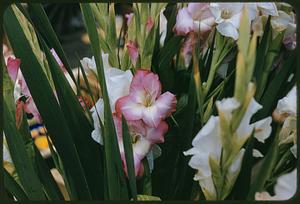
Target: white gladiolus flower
{"x": 228, "y": 17}
{"x": 117, "y": 82}
{"x": 208, "y": 143}
{"x": 284, "y": 189}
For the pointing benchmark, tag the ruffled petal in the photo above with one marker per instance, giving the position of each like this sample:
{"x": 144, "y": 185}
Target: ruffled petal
{"x": 184, "y": 22}
{"x": 156, "y": 135}
{"x": 130, "y": 109}
{"x": 228, "y": 30}
{"x": 166, "y": 104}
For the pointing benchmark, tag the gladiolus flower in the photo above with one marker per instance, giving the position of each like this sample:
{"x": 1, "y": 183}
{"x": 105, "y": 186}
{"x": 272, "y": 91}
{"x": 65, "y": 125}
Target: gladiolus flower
{"x": 208, "y": 144}
{"x": 196, "y": 17}
{"x": 145, "y": 101}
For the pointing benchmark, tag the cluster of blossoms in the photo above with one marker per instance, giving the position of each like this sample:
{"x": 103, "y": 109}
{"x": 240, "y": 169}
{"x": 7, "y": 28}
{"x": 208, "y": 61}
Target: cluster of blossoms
{"x": 144, "y": 107}
{"x": 209, "y": 143}
{"x": 198, "y": 20}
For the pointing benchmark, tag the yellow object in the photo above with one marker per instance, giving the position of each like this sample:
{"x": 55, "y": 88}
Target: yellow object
{"x": 41, "y": 142}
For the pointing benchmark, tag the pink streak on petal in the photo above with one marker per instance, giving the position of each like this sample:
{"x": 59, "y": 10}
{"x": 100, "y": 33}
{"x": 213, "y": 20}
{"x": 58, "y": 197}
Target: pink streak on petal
{"x": 149, "y": 24}
{"x": 138, "y": 78}
{"x": 156, "y": 135}
{"x": 152, "y": 85}
{"x": 151, "y": 116}
{"x": 166, "y": 104}
{"x": 13, "y": 66}
{"x": 133, "y": 51}
{"x": 130, "y": 109}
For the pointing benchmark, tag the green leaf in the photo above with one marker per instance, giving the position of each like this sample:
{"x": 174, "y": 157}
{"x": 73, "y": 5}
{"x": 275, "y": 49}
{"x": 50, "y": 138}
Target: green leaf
{"x": 22, "y": 163}
{"x": 113, "y": 164}
{"x": 46, "y": 102}
{"x": 13, "y": 187}
{"x": 163, "y": 67}
{"x": 129, "y": 158}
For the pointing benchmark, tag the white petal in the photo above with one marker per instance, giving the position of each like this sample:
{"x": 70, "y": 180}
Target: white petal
{"x": 294, "y": 150}
{"x": 279, "y": 23}
{"x": 226, "y": 106}
{"x": 6, "y": 154}
{"x": 286, "y": 186}
{"x": 245, "y": 129}
{"x": 208, "y": 139}
{"x": 96, "y": 133}
{"x": 288, "y": 104}
{"x": 118, "y": 83}
{"x": 228, "y": 30}
{"x": 256, "y": 153}
{"x": 263, "y": 129}
{"x": 268, "y": 8}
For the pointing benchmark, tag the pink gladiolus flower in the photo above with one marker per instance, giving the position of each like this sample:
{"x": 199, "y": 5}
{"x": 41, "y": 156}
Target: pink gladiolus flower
{"x": 149, "y": 24}
{"x": 194, "y": 18}
{"x": 144, "y": 138}
{"x": 145, "y": 101}
{"x": 133, "y": 51}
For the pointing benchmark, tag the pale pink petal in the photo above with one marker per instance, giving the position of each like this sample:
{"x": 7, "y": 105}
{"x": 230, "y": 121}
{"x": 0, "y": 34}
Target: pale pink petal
{"x": 196, "y": 10}
{"x": 133, "y": 51}
{"x": 156, "y": 135}
{"x": 184, "y": 22}
{"x": 13, "y": 66}
{"x": 137, "y": 81}
{"x": 129, "y": 108}
{"x": 152, "y": 86}
{"x": 151, "y": 116}
{"x": 137, "y": 127}
{"x": 166, "y": 104}
{"x": 149, "y": 24}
